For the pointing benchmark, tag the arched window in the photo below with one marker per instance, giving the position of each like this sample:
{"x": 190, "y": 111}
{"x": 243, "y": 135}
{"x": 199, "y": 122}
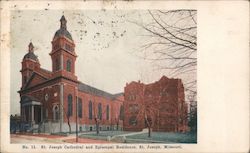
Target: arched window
{"x": 69, "y": 65}
{"x": 121, "y": 112}
{"x": 90, "y": 110}
{"x": 107, "y": 112}
{"x": 57, "y": 64}
{"x": 100, "y": 111}
{"x": 79, "y": 107}
{"x": 55, "y": 113}
{"x": 70, "y": 107}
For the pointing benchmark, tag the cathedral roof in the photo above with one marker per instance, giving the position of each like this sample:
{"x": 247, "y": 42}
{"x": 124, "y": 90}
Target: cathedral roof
{"x": 63, "y": 30}
{"x": 31, "y": 56}
{"x": 97, "y": 92}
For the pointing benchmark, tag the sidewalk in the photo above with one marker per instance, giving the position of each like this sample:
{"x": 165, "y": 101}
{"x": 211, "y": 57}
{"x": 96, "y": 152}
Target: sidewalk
{"x": 134, "y": 133}
{"x": 44, "y": 138}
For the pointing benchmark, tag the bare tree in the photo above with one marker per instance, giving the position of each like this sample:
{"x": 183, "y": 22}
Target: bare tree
{"x": 192, "y": 122}
{"x": 148, "y": 109}
{"x": 172, "y": 43}
{"x": 98, "y": 116}
{"x": 68, "y": 118}
{"x": 119, "y": 117}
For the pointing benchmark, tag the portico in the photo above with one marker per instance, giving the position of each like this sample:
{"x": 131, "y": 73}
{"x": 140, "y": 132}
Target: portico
{"x": 31, "y": 109}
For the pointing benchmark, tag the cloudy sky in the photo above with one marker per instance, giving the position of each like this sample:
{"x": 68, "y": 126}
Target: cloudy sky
{"x": 107, "y": 45}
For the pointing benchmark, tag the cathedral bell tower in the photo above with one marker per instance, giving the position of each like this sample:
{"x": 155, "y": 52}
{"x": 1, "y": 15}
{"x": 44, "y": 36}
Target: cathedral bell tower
{"x": 29, "y": 64}
{"x": 63, "y": 53}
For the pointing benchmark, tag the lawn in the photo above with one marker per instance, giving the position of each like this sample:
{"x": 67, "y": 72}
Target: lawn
{"x": 156, "y": 137}
{"x": 164, "y": 137}
{"x": 103, "y": 134}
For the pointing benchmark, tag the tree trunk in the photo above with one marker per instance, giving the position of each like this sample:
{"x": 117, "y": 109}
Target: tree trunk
{"x": 69, "y": 125}
{"x": 97, "y": 128}
{"x": 149, "y": 127}
{"x": 149, "y": 131}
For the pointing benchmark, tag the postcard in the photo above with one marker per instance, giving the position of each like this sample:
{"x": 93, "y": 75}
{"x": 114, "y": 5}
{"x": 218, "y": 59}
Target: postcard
{"x": 124, "y": 76}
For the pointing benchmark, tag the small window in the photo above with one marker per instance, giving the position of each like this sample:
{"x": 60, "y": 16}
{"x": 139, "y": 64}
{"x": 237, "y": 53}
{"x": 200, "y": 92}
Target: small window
{"x": 133, "y": 108}
{"x": 90, "y": 110}
{"x": 56, "y": 113}
{"x": 69, "y": 65}
{"x": 133, "y": 121}
{"x": 68, "y": 47}
{"x": 100, "y": 111}
{"x": 70, "y": 107}
{"x": 79, "y": 107}
{"x": 121, "y": 112}
{"x": 107, "y": 112}
{"x": 90, "y": 129}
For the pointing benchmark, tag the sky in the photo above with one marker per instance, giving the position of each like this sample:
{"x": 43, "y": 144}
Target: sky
{"x": 106, "y": 41}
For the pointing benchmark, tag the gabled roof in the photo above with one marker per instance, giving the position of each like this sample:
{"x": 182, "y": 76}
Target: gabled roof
{"x": 45, "y": 73}
{"x": 31, "y": 78}
{"x": 92, "y": 90}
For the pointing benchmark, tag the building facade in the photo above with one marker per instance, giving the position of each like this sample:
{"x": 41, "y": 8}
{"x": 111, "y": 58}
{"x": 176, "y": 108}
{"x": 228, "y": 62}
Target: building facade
{"x": 160, "y": 104}
{"x": 50, "y": 100}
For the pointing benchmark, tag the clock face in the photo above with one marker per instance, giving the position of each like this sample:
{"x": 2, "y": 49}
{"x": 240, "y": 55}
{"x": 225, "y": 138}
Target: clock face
{"x": 46, "y": 97}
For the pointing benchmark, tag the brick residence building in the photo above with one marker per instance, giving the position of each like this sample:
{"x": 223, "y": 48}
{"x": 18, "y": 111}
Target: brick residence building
{"x": 49, "y": 98}
{"x": 162, "y": 101}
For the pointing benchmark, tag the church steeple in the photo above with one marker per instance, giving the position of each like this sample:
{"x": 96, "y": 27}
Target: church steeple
{"x": 31, "y": 47}
{"x": 63, "y": 22}
{"x": 63, "y": 52}
{"x": 63, "y": 32}
{"x": 29, "y": 64}
{"x": 30, "y": 55}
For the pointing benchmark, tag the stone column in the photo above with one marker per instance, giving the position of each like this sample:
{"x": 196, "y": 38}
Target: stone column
{"x": 41, "y": 114}
{"x": 61, "y": 107}
{"x": 32, "y": 114}
{"x": 22, "y": 114}
{"x": 29, "y": 113}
